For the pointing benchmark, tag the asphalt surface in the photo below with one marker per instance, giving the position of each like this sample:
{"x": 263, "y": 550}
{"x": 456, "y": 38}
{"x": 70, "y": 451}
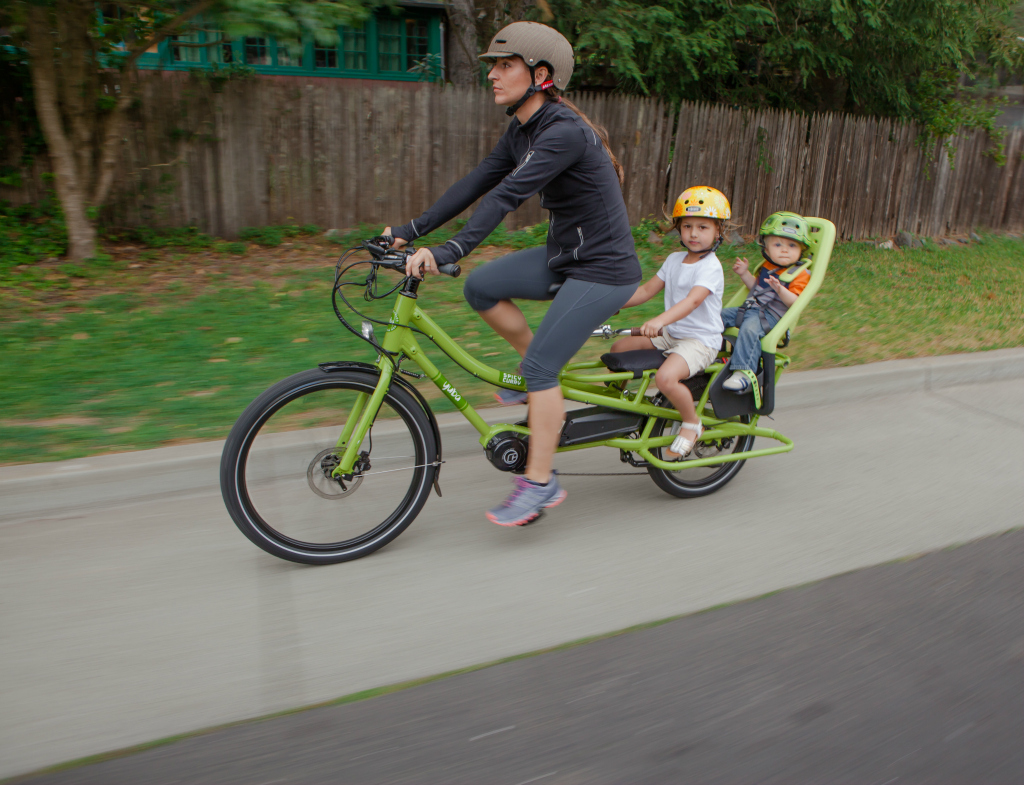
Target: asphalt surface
{"x": 906, "y": 672}
{"x": 132, "y": 609}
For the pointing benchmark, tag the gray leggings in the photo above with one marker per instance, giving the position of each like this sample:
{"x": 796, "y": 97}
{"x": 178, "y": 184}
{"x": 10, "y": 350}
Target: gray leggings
{"x": 577, "y": 309}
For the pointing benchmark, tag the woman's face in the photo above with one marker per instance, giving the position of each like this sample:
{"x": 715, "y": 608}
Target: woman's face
{"x": 510, "y": 78}
{"x": 698, "y": 234}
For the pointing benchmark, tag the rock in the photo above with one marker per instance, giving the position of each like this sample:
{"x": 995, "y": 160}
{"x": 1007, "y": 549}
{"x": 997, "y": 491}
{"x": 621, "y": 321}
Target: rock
{"x": 962, "y": 241}
{"x": 672, "y": 236}
{"x": 907, "y": 240}
{"x": 888, "y": 245}
{"x": 331, "y": 233}
{"x": 946, "y": 241}
{"x": 653, "y": 238}
{"x": 734, "y": 238}
{"x": 976, "y": 237}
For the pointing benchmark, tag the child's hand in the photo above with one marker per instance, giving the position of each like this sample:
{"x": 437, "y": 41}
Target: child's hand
{"x": 776, "y": 284}
{"x": 651, "y": 328}
{"x": 741, "y": 266}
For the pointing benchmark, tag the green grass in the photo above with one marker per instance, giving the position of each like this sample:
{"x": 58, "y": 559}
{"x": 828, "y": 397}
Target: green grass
{"x": 173, "y": 351}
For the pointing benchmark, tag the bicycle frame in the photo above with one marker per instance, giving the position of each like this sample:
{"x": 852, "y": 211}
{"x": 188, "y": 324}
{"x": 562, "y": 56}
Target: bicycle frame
{"x": 606, "y": 389}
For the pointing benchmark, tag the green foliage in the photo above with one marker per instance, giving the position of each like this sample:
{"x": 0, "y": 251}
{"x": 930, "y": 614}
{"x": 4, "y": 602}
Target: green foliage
{"x": 186, "y": 237}
{"x": 29, "y": 235}
{"x": 271, "y": 236}
{"x": 219, "y": 75}
{"x": 905, "y": 59}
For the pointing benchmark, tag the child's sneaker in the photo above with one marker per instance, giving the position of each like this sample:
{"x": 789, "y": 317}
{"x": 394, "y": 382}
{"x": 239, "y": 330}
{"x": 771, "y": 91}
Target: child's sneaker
{"x": 526, "y": 502}
{"x": 738, "y": 383}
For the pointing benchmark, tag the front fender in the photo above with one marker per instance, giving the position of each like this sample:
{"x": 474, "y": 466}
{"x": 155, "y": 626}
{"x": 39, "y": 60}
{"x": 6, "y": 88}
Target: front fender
{"x": 348, "y": 365}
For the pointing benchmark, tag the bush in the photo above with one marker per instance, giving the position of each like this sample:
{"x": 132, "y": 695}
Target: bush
{"x": 29, "y": 234}
{"x": 188, "y": 237}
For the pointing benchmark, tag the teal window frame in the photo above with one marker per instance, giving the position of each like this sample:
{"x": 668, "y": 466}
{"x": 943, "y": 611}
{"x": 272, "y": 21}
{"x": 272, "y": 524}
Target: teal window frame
{"x": 208, "y": 56}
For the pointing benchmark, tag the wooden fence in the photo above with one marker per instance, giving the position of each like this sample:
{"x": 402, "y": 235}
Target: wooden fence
{"x": 342, "y": 152}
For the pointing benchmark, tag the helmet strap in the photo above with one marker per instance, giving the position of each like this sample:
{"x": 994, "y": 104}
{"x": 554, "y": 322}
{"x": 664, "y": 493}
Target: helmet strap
{"x": 511, "y": 110}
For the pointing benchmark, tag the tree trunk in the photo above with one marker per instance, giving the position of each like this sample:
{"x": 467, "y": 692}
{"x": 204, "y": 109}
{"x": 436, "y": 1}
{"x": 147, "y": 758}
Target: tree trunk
{"x": 70, "y": 189}
{"x": 463, "y": 65}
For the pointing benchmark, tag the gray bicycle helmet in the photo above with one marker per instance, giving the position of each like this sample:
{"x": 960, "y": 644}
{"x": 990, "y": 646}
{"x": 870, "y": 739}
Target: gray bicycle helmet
{"x": 536, "y": 44}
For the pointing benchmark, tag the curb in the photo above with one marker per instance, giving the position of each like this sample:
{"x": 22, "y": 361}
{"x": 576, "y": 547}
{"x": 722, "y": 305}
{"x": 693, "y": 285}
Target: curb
{"x": 171, "y": 471}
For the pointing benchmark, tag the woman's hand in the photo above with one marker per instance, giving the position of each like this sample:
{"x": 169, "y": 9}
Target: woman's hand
{"x": 651, "y": 328}
{"x": 398, "y": 242}
{"x": 420, "y": 263}
{"x": 741, "y": 266}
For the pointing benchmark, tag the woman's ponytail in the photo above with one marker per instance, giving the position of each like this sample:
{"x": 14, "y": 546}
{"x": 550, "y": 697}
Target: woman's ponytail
{"x": 552, "y": 95}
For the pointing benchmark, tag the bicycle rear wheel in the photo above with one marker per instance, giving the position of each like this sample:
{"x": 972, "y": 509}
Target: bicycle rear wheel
{"x": 276, "y": 469}
{"x": 689, "y": 483}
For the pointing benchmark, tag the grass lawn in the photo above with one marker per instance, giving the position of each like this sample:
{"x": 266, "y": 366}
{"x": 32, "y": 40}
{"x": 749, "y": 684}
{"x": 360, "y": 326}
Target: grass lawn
{"x": 160, "y": 346}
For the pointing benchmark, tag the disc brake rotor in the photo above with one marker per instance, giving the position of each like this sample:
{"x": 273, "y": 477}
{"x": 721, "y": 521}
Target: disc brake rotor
{"x": 321, "y": 480}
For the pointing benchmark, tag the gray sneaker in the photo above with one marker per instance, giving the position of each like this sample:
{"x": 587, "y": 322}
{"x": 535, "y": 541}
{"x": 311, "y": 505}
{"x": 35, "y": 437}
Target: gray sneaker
{"x": 526, "y": 502}
{"x": 508, "y": 397}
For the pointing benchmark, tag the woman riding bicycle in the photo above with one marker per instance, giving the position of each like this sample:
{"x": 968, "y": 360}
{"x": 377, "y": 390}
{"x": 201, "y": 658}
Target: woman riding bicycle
{"x": 589, "y": 268}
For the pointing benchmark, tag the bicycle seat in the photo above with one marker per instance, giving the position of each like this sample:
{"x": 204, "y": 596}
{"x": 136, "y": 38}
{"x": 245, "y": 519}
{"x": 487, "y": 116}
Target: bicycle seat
{"x": 634, "y": 362}
{"x": 640, "y": 360}
{"x": 553, "y": 289}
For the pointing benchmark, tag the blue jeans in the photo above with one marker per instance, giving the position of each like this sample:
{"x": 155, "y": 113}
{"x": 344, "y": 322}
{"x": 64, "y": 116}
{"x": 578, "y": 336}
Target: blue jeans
{"x": 746, "y": 352}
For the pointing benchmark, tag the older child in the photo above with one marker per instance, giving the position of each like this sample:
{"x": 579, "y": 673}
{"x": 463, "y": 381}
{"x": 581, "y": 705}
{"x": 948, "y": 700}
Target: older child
{"x": 689, "y": 332}
{"x": 784, "y": 239}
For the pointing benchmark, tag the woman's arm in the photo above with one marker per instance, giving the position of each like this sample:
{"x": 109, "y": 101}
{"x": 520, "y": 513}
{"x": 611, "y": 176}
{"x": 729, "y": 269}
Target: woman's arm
{"x": 458, "y": 197}
{"x": 550, "y": 154}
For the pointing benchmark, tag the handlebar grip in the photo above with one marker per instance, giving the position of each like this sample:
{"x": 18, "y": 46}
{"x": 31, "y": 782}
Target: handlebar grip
{"x": 636, "y": 331}
{"x": 450, "y": 269}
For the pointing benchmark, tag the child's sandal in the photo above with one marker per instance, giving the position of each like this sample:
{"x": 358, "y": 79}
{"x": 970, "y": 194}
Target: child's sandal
{"x": 681, "y": 446}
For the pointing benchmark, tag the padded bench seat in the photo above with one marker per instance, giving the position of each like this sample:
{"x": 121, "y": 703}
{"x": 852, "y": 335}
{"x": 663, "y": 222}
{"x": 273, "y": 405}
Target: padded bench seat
{"x": 640, "y": 360}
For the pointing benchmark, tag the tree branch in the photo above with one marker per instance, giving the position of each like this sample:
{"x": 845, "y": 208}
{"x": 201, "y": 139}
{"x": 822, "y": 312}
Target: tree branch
{"x": 168, "y": 29}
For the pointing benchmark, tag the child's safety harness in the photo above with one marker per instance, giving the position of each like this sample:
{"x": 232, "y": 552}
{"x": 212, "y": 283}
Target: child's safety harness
{"x": 764, "y": 299}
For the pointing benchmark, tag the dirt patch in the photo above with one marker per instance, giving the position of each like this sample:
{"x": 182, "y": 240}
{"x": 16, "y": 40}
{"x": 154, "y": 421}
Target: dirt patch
{"x": 52, "y": 422}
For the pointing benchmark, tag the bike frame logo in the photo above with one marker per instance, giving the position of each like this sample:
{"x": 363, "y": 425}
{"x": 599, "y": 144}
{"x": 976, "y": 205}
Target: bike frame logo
{"x": 449, "y": 389}
{"x": 511, "y": 378}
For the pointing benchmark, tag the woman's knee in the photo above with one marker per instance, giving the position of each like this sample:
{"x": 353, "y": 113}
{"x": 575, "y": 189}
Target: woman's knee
{"x": 538, "y": 377}
{"x": 476, "y": 295}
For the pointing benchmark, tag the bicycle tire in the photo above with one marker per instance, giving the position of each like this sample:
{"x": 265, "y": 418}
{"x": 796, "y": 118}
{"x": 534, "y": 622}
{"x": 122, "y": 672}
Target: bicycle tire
{"x": 274, "y": 466}
{"x": 691, "y": 483}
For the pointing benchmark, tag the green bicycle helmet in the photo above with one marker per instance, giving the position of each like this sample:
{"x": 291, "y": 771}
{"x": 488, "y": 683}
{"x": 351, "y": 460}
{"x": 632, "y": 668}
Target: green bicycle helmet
{"x": 785, "y": 224}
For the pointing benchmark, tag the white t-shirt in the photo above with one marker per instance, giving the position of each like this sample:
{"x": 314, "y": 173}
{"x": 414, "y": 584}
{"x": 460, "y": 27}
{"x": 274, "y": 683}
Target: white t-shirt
{"x": 705, "y": 322}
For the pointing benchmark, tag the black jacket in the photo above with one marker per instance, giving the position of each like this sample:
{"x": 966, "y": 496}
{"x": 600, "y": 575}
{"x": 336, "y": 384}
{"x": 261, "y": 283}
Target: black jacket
{"x": 559, "y": 155}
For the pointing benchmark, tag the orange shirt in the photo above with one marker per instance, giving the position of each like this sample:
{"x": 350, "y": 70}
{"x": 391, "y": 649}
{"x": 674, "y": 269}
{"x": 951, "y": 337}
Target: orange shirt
{"x": 798, "y": 284}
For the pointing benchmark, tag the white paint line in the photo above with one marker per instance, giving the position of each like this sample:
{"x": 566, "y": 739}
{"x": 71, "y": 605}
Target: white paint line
{"x": 542, "y": 776}
{"x": 492, "y": 732}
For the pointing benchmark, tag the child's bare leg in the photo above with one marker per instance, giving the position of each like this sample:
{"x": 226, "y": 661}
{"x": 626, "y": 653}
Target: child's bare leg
{"x": 668, "y": 380}
{"x": 632, "y": 343}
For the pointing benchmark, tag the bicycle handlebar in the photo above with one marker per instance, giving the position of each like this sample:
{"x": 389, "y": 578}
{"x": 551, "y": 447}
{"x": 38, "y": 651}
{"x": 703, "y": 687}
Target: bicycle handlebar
{"x": 605, "y": 331}
{"x": 385, "y": 255}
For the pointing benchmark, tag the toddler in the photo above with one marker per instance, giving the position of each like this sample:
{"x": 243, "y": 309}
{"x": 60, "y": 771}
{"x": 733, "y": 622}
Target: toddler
{"x": 784, "y": 239}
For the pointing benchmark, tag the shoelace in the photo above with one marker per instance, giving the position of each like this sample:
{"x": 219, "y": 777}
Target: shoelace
{"x": 521, "y": 487}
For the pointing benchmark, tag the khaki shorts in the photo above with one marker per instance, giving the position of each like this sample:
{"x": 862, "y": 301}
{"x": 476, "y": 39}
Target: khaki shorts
{"x": 698, "y": 355}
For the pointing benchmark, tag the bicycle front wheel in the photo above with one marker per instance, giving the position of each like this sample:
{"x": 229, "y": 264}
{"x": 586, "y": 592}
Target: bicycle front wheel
{"x": 276, "y": 470}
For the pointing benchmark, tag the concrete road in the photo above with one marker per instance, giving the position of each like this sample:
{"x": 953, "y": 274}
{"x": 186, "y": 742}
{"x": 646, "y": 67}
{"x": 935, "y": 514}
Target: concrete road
{"x": 911, "y": 671}
{"x": 125, "y": 621}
